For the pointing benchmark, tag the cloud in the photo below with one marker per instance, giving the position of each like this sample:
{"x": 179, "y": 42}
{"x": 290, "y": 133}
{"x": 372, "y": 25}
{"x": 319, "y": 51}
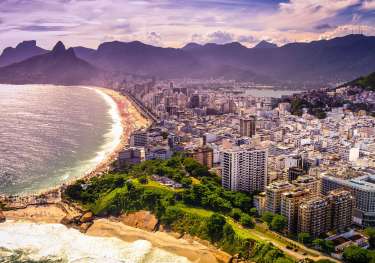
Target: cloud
{"x": 368, "y": 5}
{"x": 344, "y": 30}
{"x": 220, "y": 37}
{"x": 40, "y": 28}
{"x": 154, "y": 38}
{"x": 324, "y": 27}
{"x": 304, "y": 14}
{"x": 247, "y": 39}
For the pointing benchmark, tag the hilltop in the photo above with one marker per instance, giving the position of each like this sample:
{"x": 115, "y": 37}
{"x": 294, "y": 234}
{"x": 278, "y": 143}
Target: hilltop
{"x": 59, "y": 66}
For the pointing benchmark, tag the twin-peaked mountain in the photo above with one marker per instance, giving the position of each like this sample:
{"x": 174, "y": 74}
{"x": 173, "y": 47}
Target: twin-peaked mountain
{"x": 59, "y": 66}
{"x": 318, "y": 62}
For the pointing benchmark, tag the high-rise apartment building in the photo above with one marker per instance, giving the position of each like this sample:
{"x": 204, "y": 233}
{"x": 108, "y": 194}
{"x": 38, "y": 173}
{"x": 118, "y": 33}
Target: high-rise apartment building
{"x": 290, "y": 202}
{"x": 342, "y": 203}
{"x": 248, "y": 126}
{"x": 314, "y": 216}
{"x": 273, "y": 195}
{"x": 362, "y": 189}
{"x": 244, "y": 169}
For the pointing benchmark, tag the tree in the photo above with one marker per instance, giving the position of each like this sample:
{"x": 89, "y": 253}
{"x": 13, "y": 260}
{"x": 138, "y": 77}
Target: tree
{"x": 370, "y": 232}
{"x": 267, "y": 217}
{"x": 215, "y": 226}
{"x": 304, "y": 238}
{"x": 74, "y": 191}
{"x": 328, "y": 246}
{"x": 324, "y": 261}
{"x": 278, "y": 223}
{"x": 355, "y": 254}
{"x": 253, "y": 211}
{"x": 186, "y": 182}
{"x": 318, "y": 243}
{"x": 143, "y": 180}
{"x": 171, "y": 215}
{"x": 236, "y": 214}
{"x": 246, "y": 220}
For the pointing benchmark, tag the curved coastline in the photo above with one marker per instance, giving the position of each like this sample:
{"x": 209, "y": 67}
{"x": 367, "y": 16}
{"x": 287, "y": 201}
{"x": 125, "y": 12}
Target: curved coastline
{"x": 125, "y": 119}
{"x": 54, "y": 210}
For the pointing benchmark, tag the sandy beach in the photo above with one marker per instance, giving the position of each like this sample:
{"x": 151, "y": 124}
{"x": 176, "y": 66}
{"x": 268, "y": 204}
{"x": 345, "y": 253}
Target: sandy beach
{"x": 131, "y": 120}
{"x": 192, "y": 250}
{"x": 105, "y": 227}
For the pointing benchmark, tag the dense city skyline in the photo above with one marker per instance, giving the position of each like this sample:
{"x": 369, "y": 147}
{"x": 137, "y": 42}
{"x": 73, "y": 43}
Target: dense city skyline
{"x": 175, "y": 23}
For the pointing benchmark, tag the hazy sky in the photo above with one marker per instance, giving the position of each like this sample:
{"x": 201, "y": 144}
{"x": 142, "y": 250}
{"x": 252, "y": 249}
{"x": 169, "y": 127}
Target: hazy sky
{"x": 175, "y": 23}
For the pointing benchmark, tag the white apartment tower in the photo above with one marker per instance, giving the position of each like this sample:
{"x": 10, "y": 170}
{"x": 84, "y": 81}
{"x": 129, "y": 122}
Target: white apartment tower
{"x": 244, "y": 169}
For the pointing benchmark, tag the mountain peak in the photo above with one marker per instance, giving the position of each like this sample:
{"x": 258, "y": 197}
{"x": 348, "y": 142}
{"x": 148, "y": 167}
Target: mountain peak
{"x": 27, "y": 44}
{"x": 191, "y": 45}
{"x": 22, "y": 51}
{"x": 235, "y": 44}
{"x": 59, "y": 47}
{"x": 265, "y": 44}
{"x": 71, "y": 52}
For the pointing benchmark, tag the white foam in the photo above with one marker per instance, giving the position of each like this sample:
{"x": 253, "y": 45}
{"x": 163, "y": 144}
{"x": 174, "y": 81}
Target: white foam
{"x": 55, "y": 241}
{"x": 113, "y": 137}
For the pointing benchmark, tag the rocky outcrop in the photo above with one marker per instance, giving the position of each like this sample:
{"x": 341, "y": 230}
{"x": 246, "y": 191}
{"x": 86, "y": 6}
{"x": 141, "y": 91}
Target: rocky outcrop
{"x": 2, "y": 217}
{"x": 87, "y": 217}
{"x": 141, "y": 219}
{"x": 84, "y": 227}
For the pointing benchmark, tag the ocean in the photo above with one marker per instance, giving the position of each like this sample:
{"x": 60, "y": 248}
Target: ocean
{"x": 55, "y": 243}
{"x": 53, "y": 134}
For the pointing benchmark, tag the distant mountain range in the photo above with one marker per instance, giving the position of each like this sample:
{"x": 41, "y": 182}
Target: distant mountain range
{"x": 59, "y": 66}
{"x": 318, "y": 62}
{"x": 22, "y": 51}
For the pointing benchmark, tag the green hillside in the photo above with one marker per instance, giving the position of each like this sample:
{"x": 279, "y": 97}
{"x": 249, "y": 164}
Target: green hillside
{"x": 367, "y": 82}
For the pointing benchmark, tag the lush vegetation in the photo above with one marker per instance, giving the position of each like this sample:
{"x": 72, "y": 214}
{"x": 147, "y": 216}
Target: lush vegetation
{"x": 367, "y": 82}
{"x": 275, "y": 222}
{"x": 355, "y": 254}
{"x": 203, "y": 208}
{"x": 316, "y": 108}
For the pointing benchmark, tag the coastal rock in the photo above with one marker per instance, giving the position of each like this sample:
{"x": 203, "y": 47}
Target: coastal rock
{"x": 141, "y": 219}
{"x": 70, "y": 220}
{"x": 87, "y": 217}
{"x": 2, "y": 217}
{"x": 84, "y": 227}
{"x": 176, "y": 234}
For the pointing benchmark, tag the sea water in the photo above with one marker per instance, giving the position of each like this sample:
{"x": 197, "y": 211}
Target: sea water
{"x": 53, "y": 134}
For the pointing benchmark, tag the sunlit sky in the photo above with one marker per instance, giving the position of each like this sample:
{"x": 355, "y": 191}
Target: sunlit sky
{"x": 175, "y": 23}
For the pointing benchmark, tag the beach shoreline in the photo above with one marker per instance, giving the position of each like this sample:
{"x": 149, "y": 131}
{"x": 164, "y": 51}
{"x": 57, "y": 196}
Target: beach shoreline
{"x": 114, "y": 227}
{"x": 131, "y": 119}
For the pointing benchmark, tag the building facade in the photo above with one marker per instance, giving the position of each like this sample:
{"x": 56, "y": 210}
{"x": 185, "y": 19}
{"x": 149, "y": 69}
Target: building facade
{"x": 342, "y": 204}
{"x": 314, "y": 216}
{"x": 248, "y": 126}
{"x": 362, "y": 189}
{"x": 203, "y": 155}
{"x": 244, "y": 169}
{"x": 290, "y": 202}
{"x": 273, "y": 195}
